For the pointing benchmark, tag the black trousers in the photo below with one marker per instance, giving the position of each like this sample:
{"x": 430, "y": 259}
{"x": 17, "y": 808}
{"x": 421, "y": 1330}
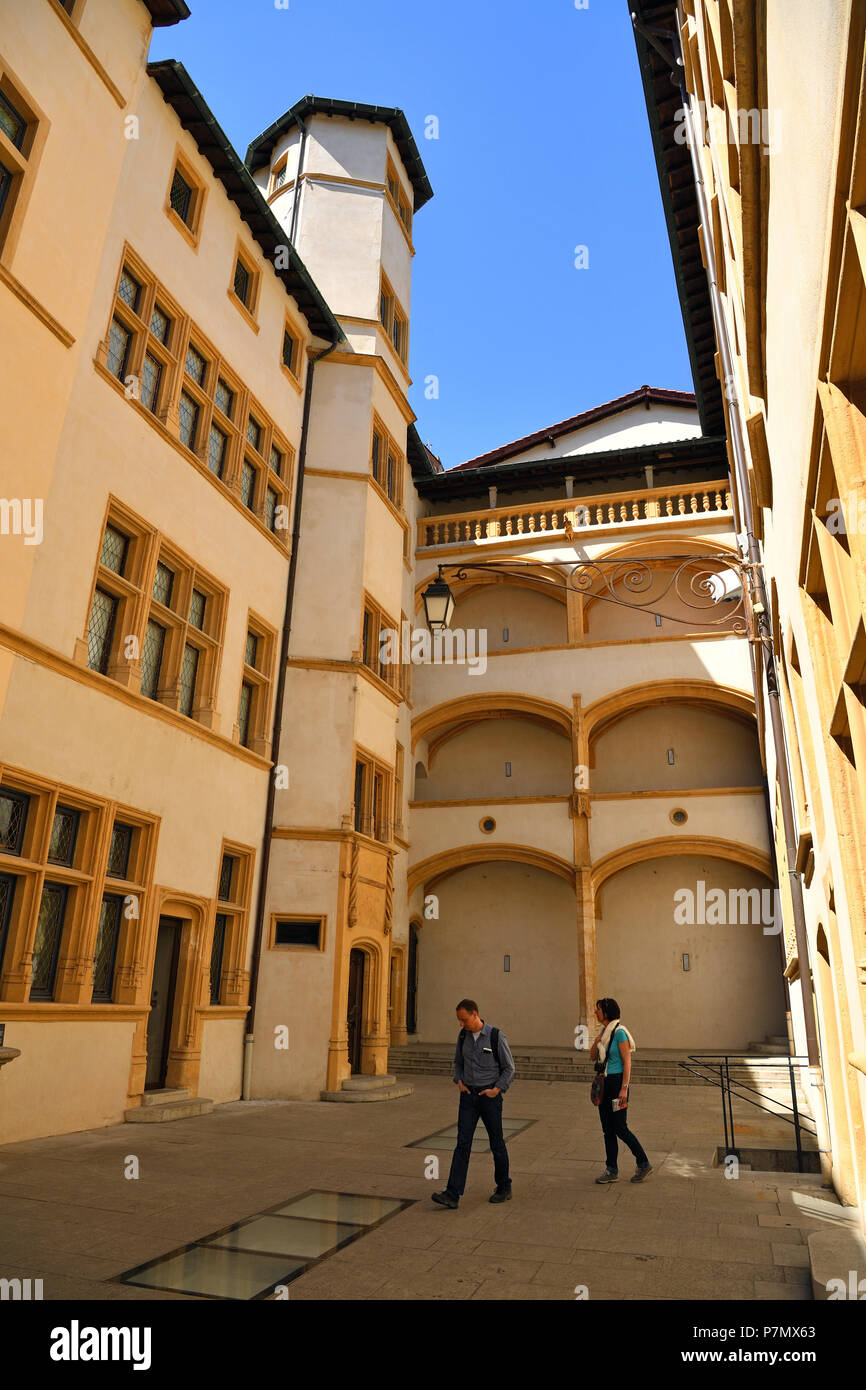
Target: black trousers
{"x": 615, "y": 1125}
{"x": 473, "y": 1108}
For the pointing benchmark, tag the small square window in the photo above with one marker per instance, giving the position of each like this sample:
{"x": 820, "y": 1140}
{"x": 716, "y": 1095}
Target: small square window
{"x": 280, "y": 175}
{"x": 227, "y": 870}
{"x": 297, "y": 933}
{"x": 242, "y": 282}
{"x": 115, "y": 548}
{"x": 290, "y": 352}
{"x": 163, "y": 583}
{"x": 181, "y": 197}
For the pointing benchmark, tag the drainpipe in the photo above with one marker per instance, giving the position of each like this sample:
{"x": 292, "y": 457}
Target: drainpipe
{"x": 296, "y": 192}
{"x": 258, "y": 929}
{"x": 760, "y": 605}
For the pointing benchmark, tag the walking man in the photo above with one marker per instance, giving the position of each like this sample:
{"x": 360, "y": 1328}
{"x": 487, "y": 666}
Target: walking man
{"x": 483, "y": 1071}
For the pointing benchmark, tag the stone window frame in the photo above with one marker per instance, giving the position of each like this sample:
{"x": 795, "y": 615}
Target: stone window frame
{"x": 234, "y": 978}
{"x": 247, "y": 307}
{"x": 136, "y": 604}
{"x": 320, "y": 917}
{"x": 388, "y": 447}
{"x": 21, "y": 163}
{"x": 190, "y": 229}
{"x": 295, "y": 371}
{"x": 184, "y": 334}
{"x": 393, "y": 318}
{"x": 261, "y": 678}
{"x": 379, "y": 828}
{"x": 373, "y": 620}
{"x": 87, "y": 881}
{"x": 398, "y": 198}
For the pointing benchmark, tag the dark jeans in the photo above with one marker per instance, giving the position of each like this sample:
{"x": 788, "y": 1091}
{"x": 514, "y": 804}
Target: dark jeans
{"x": 615, "y": 1125}
{"x": 472, "y": 1109}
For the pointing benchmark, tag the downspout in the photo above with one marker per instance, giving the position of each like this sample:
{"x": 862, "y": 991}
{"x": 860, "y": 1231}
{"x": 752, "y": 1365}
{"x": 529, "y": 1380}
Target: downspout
{"x": 759, "y": 608}
{"x": 258, "y": 929}
{"x": 296, "y": 194}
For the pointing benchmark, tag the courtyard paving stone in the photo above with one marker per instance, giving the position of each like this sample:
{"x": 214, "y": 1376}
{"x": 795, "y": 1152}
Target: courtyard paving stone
{"x": 68, "y": 1214}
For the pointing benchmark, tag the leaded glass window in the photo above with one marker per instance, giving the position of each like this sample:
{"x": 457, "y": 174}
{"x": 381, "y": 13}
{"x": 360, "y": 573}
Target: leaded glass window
{"x": 13, "y": 820}
{"x": 197, "y": 607}
{"x": 163, "y": 583}
{"x": 119, "y": 850}
{"x": 195, "y": 364}
{"x": 181, "y": 196}
{"x": 64, "y": 833}
{"x": 254, "y": 432}
{"x": 188, "y": 671}
{"x": 46, "y": 946}
{"x": 242, "y": 281}
{"x": 100, "y": 630}
{"x": 151, "y": 659}
{"x": 5, "y": 185}
{"x": 251, "y": 650}
{"x": 107, "y": 938}
{"x": 289, "y": 344}
{"x": 244, "y": 712}
{"x": 129, "y": 289}
{"x": 280, "y": 175}
{"x": 7, "y": 897}
{"x": 115, "y": 547}
{"x": 216, "y": 956}
{"x": 12, "y": 123}
{"x": 224, "y": 398}
{"x": 277, "y": 460}
{"x": 119, "y": 340}
{"x": 248, "y": 484}
{"x": 188, "y": 415}
{"x": 159, "y": 324}
{"x": 151, "y": 373}
{"x": 216, "y": 451}
{"x": 227, "y": 868}
{"x": 270, "y": 508}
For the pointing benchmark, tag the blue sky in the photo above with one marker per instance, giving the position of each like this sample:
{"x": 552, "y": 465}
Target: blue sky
{"x": 543, "y": 147}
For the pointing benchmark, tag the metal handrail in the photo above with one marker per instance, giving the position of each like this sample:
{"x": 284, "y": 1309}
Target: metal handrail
{"x": 721, "y": 1062}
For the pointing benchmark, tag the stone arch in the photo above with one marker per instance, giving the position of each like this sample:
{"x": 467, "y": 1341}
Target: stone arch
{"x": 438, "y": 866}
{"x": 661, "y": 554}
{"x": 673, "y": 846}
{"x": 498, "y": 704}
{"x": 619, "y": 704}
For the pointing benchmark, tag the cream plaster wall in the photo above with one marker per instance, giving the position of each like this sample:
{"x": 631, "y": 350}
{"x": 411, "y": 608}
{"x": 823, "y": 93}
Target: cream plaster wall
{"x": 741, "y": 820}
{"x": 542, "y": 825}
{"x": 221, "y": 1071}
{"x": 733, "y": 993}
{"x": 70, "y": 1076}
{"x": 626, "y": 430}
{"x": 532, "y": 619}
{"x": 710, "y": 750}
{"x": 485, "y": 912}
{"x": 472, "y": 763}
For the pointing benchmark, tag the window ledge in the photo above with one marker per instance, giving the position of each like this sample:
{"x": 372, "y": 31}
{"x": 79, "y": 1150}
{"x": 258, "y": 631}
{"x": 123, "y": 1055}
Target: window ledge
{"x": 242, "y": 309}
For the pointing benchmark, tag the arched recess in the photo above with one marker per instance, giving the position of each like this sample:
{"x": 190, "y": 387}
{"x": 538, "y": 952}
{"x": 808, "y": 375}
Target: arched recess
{"x": 603, "y": 713}
{"x": 526, "y": 607}
{"x": 497, "y": 704}
{"x": 431, "y": 871}
{"x": 374, "y": 1029}
{"x": 675, "y": 846}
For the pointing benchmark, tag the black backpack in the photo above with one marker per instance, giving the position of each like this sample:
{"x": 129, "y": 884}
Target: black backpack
{"x": 494, "y": 1040}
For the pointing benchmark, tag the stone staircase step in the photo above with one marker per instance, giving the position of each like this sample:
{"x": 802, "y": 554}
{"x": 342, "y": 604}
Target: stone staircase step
{"x": 369, "y": 1093}
{"x": 367, "y": 1083}
{"x": 165, "y": 1096}
{"x": 169, "y": 1110}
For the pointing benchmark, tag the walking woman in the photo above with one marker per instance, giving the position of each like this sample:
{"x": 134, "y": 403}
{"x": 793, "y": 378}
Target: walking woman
{"x": 613, "y": 1047}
